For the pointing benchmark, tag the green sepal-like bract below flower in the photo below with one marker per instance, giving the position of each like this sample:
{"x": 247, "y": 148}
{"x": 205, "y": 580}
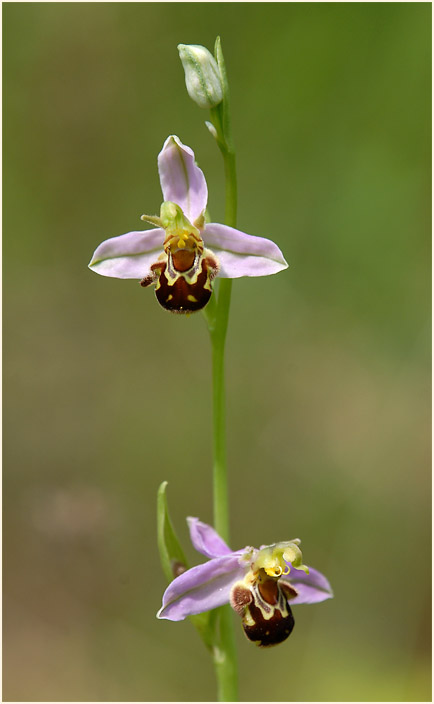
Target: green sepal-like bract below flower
{"x": 183, "y": 255}
{"x": 173, "y": 560}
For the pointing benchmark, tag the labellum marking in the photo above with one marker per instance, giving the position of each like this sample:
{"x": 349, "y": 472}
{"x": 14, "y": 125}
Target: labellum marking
{"x": 183, "y": 259}
{"x": 271, "y": 631}
{"x": 262, "y": 603}
{"x": 183, "y": 279}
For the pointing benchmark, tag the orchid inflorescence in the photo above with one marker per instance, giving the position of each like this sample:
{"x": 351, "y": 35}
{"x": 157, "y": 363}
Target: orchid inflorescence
{"x": 182, "y": 256}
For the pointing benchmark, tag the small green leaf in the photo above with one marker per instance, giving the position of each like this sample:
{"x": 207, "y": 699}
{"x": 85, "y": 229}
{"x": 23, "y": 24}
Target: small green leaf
{"x": 173, "y": 558}
{"x": 171, "y": 553}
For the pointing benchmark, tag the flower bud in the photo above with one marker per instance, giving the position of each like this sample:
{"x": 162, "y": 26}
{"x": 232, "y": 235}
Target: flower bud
{"x": 202, "y": 76}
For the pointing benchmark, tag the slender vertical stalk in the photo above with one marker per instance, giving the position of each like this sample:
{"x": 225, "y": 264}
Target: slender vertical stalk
{"x": 231, "y": 188}
{"x": 218, "y": 326}
{"x": 225, "y": 656}
{"x": 220, "y": 479}
{"x": 218, "y": 339}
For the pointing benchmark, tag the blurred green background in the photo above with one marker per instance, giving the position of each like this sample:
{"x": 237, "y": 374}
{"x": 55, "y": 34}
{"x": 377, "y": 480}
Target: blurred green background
{"x": 106, "y": 395}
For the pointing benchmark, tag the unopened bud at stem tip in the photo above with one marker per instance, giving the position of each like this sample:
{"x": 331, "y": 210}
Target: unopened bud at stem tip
{"x": 202, "y": 76}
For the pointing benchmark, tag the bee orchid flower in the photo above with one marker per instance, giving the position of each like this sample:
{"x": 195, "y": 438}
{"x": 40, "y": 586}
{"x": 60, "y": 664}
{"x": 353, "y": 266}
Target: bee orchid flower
{"x": 183, "y": 254}
{"x": 261, "y": 584}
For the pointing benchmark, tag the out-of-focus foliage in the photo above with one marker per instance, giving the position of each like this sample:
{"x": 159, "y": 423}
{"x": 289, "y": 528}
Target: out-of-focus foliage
{"x": 105, "y": 395}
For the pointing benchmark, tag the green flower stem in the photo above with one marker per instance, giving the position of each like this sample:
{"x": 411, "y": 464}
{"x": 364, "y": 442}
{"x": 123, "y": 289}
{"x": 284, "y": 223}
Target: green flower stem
{"x": 220, "y": 480}
{"x": 225, "y": 655}
{"x": 218, "y": 339}
{"x": 225, "y": 658}
{"x": 231, "y": 189}
{"x": 218, "y": 317}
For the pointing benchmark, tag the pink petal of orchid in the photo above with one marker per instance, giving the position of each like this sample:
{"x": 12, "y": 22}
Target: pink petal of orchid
{"x": 182, "y": 181}
{"x": 128, "y": 256}
{"x": 240, "y": 254}
{"x": 201, "y": 588}
{"x": 312, "y": 587}
{"x": 205, "y": 539}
